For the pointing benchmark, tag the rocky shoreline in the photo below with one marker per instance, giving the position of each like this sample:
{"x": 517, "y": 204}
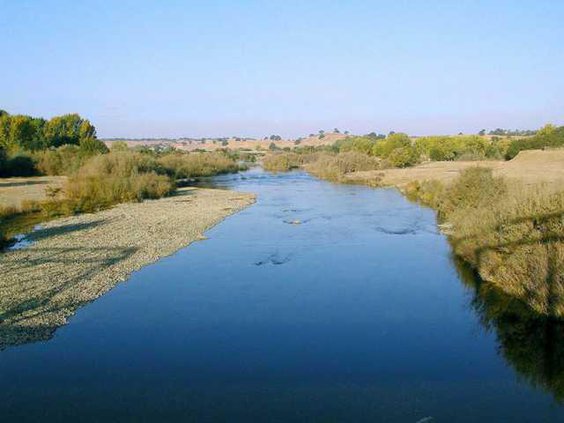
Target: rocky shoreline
{"x": 74, "y": 260}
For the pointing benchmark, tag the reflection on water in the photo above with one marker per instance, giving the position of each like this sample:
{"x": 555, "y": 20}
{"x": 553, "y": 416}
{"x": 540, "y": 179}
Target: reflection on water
{"x": 356, "y": 313}
{"x": 532, "y": 343}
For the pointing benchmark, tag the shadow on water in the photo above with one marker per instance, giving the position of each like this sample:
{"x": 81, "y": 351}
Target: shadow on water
{"x": 544, "y": 235}
{"x": 533, "y": 344}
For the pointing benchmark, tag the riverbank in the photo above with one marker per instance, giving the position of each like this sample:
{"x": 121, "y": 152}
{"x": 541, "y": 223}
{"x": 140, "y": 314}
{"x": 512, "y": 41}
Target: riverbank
{"x": 74, "y": 260}
{"x": 529, "y": 167}
{"x": 503, "y": 218}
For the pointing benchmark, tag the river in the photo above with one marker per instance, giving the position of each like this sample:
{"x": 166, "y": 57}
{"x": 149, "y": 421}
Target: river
{"x": 321, "y": 302}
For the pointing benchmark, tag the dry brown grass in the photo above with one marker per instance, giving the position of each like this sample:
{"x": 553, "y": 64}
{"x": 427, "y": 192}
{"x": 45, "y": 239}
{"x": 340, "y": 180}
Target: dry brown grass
{"x": 530, "y": 167}
{"x": 15, "y": 191}
{"x": 510, "y": 232}
{"x": 335, "y": 167}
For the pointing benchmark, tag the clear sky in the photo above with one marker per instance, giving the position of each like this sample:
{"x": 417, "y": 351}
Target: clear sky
{"x": 253, "y": 68}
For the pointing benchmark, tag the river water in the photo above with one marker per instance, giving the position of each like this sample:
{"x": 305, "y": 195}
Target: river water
{"x": 321, "y": 302}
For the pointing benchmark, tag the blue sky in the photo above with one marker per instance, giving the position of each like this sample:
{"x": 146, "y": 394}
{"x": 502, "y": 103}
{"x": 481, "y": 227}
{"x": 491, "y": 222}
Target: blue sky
{"x": 253, "y": 68}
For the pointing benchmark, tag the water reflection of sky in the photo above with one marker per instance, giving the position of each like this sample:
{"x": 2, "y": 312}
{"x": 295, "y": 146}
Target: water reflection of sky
{"x": 356, "y": 313}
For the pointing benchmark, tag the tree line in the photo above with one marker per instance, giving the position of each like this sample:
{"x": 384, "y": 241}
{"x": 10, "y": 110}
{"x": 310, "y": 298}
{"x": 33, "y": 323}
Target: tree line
{"x": 27, "y": 133}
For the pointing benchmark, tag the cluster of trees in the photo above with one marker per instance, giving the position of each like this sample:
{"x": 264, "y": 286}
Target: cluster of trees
{"x": 548, "y": 136}
{"x": 402, "y": 151}
{"x": 23, "y": 137}
{"x": 508, "y": 132}
{"x": 397, "y": 148}
{"x": 462, "y": 147}
{"x": 27, "y": 133}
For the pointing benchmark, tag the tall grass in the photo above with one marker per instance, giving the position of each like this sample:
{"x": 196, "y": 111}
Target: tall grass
{"x": 282, "y": 162}
{"x": 325, "y": 165}
{"x": 188, "y": 165}
{"x": 100, "y": 181}
{"x": 513, "y": 235}
{"x": 334, "y": 167}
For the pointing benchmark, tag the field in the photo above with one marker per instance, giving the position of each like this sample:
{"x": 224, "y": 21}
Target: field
{"x": 232, "y": 143}
{"x": 13, "y": 191}
{"x": 530, "y": 167}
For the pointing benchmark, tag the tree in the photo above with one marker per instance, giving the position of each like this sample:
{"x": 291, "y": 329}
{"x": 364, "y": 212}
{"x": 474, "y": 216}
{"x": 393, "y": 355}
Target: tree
{"x": 336, "y": 131}
{"x": 482, "y": 132}
{"x": 92, "y": 146}
{"x": 68, "y": 129}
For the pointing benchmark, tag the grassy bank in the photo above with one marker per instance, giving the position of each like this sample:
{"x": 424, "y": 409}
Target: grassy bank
{"x": 513, "y": 235}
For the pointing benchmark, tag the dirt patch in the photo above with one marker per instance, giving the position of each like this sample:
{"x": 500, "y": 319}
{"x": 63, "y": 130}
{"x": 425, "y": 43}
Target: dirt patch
{"x": 13, "y": 191}
{"x": 531, "y": 167}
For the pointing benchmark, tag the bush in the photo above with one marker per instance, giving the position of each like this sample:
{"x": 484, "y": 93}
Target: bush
{"x": 548, "y": 136}
{"x": 282, "y": 162}
{"x": 20, "y": 165}
{"x": 403, "y": 157}
{"x": 188, "y": 165}
{"x": 91, "y": 193}
{"x": 512, "y": 235}
{"x": 65, "y": 160}
{"x": 335, "y": 166}
{"x": 3, "y": 162}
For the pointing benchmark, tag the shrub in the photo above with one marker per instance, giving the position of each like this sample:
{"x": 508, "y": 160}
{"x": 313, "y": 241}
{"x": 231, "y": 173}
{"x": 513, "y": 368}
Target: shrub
{"x": 91, "y": 193}
{"x": 335, "y": 166}
{"x": 512, "y": 235}
{"x": 64, "y": 160}
{"x": 282, "y": 162}
{"x": 549, "y": 136}
{"x": 189, "y": 165}
{"x": 3, "y": 162}
{"x": 403, "y": 157}
{"x": 20, "y": 165}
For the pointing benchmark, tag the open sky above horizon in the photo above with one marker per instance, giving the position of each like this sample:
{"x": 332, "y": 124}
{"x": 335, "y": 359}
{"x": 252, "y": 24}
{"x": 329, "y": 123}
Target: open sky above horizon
{"x": 254, "y": 68}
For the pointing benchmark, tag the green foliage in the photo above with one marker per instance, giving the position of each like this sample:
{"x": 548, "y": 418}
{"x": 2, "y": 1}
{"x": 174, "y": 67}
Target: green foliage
{"x": 20, "y": 164}
{"x": 26, "y": 133}
{"x": 68, "y": 129}
{"x": 397, "y": 148}
{"x": 463, "y": 147}
{"x": 547, "y": 137}
{"x": 403, "y": 156}
{"x": 3, "y": 161}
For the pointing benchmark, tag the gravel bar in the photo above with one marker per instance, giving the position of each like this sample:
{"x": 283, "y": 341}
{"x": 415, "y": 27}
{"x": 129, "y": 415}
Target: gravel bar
{"x": 74, "y": 260}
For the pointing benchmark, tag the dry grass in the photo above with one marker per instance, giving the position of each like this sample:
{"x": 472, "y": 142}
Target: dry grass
{"x": 335, "y": 167}
{"x": 511, "y": 233}
{"x": 530, "y": 167}
{"x": 15, "y": 191}
{"x": 282, "y": 162}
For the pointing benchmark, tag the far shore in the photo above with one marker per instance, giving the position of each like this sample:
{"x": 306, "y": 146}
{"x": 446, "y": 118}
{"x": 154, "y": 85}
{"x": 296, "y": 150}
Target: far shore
{"x": 74, "y": 260}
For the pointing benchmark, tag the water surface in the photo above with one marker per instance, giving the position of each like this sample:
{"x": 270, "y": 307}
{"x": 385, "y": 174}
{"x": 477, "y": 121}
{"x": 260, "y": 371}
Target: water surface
{"x": 321, "y": 302}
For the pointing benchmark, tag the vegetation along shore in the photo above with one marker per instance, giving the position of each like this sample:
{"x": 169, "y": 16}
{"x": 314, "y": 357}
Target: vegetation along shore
{"x": 102, "y": 214}
{"x": 500, "y": 200}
